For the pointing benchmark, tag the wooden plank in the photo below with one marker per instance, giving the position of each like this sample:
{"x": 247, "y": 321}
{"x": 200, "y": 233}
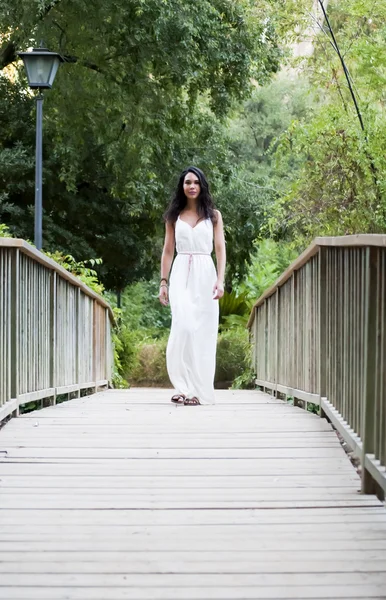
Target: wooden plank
{"x": 160, "y": 504}
{"x": 113, "y": 531}
{"x": 228, "y": 544}
{"x": 177, "y": 563}
{"x": 38, "y": 395}
{"x": 283, "y": 531}
{"x": 188, "y": 580}
{"x": 101, "y": 518}
{"x": 162, "y": 454}
{"x": 30, "y": 483}
{"x": 183, "y": 562}
{"x": 364, "y": 592}
{"x": 197, "y": 469}
{"x": 169, "y": 443}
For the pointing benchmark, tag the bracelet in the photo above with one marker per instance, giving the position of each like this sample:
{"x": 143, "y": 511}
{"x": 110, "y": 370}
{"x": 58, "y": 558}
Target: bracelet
{"x": 163, "y": 285}
{"x": 164, "y": 279}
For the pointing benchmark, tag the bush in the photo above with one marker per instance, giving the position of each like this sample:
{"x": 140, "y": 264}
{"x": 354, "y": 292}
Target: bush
{"x": 233, "y": 356}
{"x": 4, "y": 231}
{"x": 143, "y": 363}
{"x": 150, "y": 369}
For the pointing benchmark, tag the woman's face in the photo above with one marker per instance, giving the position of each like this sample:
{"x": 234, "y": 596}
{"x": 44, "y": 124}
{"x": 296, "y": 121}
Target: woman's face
{"x": 192, "y": 186}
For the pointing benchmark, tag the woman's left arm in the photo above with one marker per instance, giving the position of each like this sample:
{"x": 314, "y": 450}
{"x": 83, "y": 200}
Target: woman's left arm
{"x": 219, "y": 246}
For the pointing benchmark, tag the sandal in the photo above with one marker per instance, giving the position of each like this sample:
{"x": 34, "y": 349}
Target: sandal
{"x": 191, "y": 401}
{"x": 178, "y": 399}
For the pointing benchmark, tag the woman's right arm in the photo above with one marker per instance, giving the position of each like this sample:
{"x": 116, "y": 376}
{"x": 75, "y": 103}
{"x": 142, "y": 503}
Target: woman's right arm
{"x": 166, "y": 262}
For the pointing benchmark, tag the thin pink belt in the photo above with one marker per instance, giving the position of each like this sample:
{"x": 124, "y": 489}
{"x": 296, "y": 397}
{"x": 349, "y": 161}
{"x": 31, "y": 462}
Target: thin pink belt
{"x": 191, "y": 253}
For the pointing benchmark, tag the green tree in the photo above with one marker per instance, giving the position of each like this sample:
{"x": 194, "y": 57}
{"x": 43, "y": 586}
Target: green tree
{"x": 141, "y": 91}
{"x": 339, "y": 187}
{"x": 254, "y": 181}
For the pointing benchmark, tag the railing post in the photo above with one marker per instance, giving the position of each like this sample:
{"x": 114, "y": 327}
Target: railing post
{"x": 322, "y": 325}
{"x": 255, "y": 334}
{"x": 293, "y": 381}
{"x": 53, "y": 311}
{"x": 15, "y": 329}
{"x": 77, "y": 337}
{"x": 107, "y": 348}
{"x": 265, "y": 342}
{"x": 94, "y": 345}
{"x": 369, "y": 379}
{"x": 277, "y": 358}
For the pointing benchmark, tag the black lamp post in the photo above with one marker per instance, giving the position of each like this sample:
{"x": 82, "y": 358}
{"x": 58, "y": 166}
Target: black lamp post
{"x": 41, "y": 67}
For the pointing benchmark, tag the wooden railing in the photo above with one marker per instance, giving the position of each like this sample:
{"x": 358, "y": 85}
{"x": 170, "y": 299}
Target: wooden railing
{"x": 319, "y": 335}
{"x": 55, "y": 332}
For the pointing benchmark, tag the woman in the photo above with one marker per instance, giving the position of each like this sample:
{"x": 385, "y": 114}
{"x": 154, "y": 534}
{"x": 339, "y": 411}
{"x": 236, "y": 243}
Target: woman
{"x": 195, "y": 288}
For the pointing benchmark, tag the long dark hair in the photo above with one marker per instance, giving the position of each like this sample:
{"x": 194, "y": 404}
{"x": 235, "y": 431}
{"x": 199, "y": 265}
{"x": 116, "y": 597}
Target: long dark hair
{"x": 205, "y": 206}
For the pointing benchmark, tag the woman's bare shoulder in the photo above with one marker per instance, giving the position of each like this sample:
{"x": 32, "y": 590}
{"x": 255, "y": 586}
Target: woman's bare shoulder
{"x": 218, "y": 216}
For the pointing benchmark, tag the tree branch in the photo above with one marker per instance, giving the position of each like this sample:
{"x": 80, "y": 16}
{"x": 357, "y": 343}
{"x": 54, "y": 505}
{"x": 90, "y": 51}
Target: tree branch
{"x": 84, "y": 63}
{"x": 8, "y": 50}
{"x": 7, "y": 54}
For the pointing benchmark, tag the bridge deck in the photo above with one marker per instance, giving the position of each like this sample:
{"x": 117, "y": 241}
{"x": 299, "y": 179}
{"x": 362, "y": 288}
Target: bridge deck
{"x": 122, "y": 495}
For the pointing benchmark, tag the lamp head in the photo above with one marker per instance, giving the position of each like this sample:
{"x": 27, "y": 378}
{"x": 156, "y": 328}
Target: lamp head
{"x": 41, "y": 66}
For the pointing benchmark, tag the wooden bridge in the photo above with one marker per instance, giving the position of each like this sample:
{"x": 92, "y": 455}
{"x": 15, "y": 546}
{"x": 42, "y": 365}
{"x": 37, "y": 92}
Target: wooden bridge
{"x": 120, "y": 494}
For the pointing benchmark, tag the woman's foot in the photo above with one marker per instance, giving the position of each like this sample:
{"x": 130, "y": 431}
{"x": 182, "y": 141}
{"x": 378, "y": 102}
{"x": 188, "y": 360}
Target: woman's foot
{"x": 191, "y": 401}
{"x": 178, "y": 398}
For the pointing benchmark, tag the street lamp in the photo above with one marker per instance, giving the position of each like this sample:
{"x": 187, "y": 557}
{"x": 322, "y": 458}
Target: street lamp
{"x": 41, "y": 67}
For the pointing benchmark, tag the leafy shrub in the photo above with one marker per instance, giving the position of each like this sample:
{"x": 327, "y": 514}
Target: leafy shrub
{"x": 127, "y": 345}
{"x": 245, "y": 381}
{"x": 150, "y": 369}
{"x": 81, "y": 269}
{"x": 232, "y": 304}
{"x": 268, "y": 262}
{"x": 117, "y": 378}
{"x": 233, "y": 352}
{"x": 143, "y": 362}
{"x": 140, "y": 308}
{"x": 4, "y": 231}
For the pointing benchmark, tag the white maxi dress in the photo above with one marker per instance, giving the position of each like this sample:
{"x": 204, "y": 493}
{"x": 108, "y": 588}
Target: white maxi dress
{"x": 191, "y": 350}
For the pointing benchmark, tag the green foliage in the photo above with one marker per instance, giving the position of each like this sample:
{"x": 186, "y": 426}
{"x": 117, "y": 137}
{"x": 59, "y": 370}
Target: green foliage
{"x": 360, "y": 29}
{"x": 126, "y": 349}
{"x": 339, "y": 183}
{"x": 150, "y": 81}
{"x": 141, "y": 323}
{"x": 232, "y": 358}
{"x": 269, "y": 259}
{"x": 334, "y": 192}
{"x": 150, "y": 369}
{"x": 140, "y": 308}
{"x": 245, "y": 381}
{"x": 232, "y": 304}
{"x": 255, "y": 182}
{"x": 144, "y": 361}
{"x": 4, "y": 231}
{"x": 81, "y": 269}
{"x": 117, "y": 379}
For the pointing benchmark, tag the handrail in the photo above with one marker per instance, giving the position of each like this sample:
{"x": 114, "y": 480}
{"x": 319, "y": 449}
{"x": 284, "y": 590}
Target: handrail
{"x": 55, "y": 332}
{"x": 345, "y": 241}
{"x": 319, "y": 336}
{"x": 41, "y": 258}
